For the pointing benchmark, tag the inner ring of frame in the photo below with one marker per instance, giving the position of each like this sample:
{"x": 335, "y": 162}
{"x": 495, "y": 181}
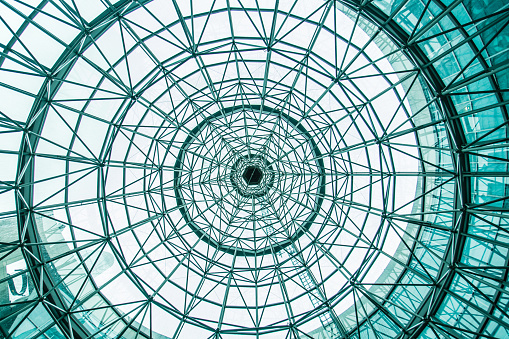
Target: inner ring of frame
{"x": 268, "y": 178}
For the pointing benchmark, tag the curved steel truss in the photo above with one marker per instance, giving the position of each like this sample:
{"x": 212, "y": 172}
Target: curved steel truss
{"x": 274, "y": 169}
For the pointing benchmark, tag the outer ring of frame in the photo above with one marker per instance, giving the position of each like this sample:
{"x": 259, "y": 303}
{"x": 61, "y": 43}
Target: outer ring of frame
{"x": 69, "y": 325}
{"x": 235, "y": 250}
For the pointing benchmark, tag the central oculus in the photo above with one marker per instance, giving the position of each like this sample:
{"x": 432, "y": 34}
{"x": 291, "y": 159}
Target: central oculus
{"x": 252, "y": 176}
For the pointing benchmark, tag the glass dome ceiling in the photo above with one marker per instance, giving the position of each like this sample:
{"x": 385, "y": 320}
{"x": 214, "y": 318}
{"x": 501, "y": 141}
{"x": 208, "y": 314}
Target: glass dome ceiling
{"x": 237, "y": 169}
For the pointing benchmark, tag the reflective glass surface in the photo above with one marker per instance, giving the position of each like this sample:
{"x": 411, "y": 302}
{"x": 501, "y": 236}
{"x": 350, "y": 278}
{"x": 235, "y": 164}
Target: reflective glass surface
{"x": 238, "y": 169}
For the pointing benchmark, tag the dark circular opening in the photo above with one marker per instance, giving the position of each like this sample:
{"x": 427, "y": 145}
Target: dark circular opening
{"x": 252, "y": 175}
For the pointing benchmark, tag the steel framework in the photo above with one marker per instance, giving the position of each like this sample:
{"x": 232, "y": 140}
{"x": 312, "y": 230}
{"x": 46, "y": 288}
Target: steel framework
{"x": 216, "y": 169}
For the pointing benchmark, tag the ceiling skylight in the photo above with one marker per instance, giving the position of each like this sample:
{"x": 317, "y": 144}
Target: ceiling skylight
{"x": 274, "y": 169}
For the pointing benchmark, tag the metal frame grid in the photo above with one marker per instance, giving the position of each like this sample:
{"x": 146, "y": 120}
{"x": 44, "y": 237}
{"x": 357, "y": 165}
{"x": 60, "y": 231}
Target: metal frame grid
{"x": 382, "y": 126}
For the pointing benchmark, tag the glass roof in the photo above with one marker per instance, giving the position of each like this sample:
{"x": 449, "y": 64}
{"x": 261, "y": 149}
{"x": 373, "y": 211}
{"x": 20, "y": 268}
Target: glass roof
{"x": 237, "y": 169}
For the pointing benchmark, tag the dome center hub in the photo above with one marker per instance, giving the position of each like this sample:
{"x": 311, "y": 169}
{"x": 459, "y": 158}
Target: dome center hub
{"x": 252, "y": 175}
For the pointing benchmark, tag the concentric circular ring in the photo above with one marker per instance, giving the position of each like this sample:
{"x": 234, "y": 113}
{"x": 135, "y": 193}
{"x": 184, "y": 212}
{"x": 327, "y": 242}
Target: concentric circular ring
{"x": 233, "y": 212}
